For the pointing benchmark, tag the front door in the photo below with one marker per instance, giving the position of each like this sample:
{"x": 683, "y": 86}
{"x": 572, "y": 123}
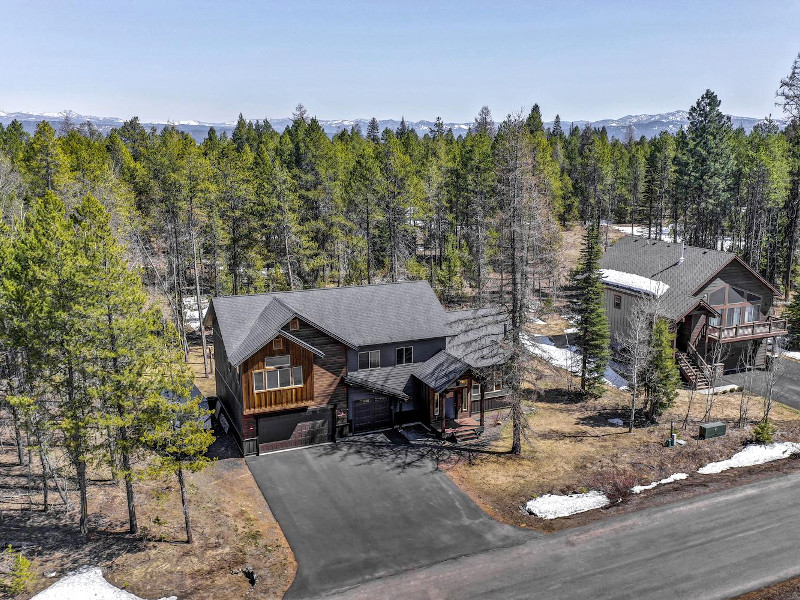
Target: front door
{"x": 450, "y": 405}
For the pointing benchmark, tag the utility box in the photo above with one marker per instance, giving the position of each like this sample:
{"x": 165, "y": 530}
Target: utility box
{"x": 711, "y": 430}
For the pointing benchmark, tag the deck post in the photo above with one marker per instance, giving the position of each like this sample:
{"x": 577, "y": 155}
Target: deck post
{"x": 443, "y": 409}
{"x": 483, "y": 403}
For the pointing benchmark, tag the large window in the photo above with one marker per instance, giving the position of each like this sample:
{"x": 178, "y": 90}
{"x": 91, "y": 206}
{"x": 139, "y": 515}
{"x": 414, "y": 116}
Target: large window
{"x": 369, "y": 360}
{"x": 736, "y": 306}
{"x": 405, "y": 355}
{"x": 278, "y": 373}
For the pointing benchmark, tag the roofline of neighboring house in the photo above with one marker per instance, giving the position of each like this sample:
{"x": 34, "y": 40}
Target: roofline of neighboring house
{"x": 702, "y": 303}
{"x": 323, "y": 289}
{"x": 746, "y": 266}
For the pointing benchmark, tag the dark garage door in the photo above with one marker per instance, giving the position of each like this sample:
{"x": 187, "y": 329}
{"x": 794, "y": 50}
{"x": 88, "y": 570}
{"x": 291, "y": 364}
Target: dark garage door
{"x": 293, "y": 430}
{"x": 372, "y": 414}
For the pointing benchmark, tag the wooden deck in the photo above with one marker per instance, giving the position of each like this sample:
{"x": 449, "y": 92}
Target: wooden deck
{"x": 459, "y": 430}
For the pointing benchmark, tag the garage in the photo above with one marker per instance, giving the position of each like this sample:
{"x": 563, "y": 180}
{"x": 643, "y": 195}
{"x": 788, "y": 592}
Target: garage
{"x": 294, "y": 430}
{"x": 371, "y": 414}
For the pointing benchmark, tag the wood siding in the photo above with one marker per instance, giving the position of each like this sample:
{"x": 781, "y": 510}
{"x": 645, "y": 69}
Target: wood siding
{"x": 280, "y": 399}
{"x": 227, "y": 381}
{"x": 618, "y": 317}
{"x": 736, "y": 275}
{"x": 329, "y": 369}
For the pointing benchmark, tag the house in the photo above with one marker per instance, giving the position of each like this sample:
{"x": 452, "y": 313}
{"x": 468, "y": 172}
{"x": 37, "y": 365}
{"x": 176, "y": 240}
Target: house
{"x": 719, "y": 307}
{"x": 304, "y": 367}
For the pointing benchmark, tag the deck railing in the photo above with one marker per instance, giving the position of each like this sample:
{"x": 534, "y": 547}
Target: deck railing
{"x": 770, "y": 327}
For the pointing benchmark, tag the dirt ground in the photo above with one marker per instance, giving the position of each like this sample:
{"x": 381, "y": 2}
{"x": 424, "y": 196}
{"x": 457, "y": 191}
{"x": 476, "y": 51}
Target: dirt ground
{"x": 231, "y": 522}
{"x": 571, "y": 447}
{"x": 787, "y": 590}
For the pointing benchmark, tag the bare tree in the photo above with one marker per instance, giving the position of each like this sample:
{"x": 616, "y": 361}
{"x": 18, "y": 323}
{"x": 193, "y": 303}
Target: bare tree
{"x": 770, "y": 378}
{"x": 719, "y": 352}
{"x": 637, "y": 347}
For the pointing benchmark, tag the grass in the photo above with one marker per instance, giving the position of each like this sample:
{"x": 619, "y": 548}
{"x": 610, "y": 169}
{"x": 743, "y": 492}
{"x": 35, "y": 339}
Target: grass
{"x": 571, "y": 446}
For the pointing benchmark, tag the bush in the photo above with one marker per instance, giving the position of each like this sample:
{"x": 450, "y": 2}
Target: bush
{"x": 20, "y": 574}
{"x": 616, "y": 485}
{"x": 763, "y": 432}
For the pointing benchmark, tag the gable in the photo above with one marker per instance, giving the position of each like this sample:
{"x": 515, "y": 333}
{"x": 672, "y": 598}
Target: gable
{"x": 737, "y": 275}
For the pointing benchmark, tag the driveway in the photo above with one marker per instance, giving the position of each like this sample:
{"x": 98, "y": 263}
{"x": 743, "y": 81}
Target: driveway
{"x": 367, "y": 508}
{"x": 787, "y": 383}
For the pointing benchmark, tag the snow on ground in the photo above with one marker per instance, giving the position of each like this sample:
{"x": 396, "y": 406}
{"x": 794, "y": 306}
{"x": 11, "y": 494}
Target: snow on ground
{"x": 720, "y": 389}
{"x": 793, "y": 354}
{"x": 536, "y": 321}
{"x": 617, "y": 422}
{"x": 636, "y": 283}
{"x": 641, "y": 231}
{"x": 756, "y": 454}
{"x": 567, "y": 358}
{"x": 638, "y": 489}
{"x": 191, "y": 315}
{"x": 551, "y": 506}
{"x": 86, "y": 583}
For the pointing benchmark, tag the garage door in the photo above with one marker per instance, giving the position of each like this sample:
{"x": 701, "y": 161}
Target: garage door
{"x": 372, "y": 414}
{"x": 293, "y": 430}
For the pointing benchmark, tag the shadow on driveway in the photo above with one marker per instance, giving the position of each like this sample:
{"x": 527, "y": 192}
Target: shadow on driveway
{"x": 786, "y": 387}
{"x": 369, "y": 507}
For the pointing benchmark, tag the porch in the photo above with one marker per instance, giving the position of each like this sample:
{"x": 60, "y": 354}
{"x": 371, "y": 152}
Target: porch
{"x": 771, "y": 327}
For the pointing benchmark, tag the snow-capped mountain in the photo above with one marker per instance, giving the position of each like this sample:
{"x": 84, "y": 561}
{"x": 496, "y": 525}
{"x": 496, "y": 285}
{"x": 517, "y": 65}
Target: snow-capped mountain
{"x": 639, "y": 125}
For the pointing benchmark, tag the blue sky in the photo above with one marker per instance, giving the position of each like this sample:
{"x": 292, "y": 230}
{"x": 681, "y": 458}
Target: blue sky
{"x": 211, "y": 60}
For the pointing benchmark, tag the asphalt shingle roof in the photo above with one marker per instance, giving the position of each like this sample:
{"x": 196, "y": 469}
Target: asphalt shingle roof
{"x": 357, "y": 315}
{"x": 394, "y": 381}
{"x": 440, "y": 370}
{"x": 659, "y": 261}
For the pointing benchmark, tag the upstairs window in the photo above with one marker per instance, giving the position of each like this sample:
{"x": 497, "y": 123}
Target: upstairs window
{"x": 277, "y": 373}
{"x": 294, "y": 325}
{"x": 277, "y": 343}
{"x": 405, "y": 355}
{"x": 496, "y": 382}
{"x": 717, "y": 297}
{"x": 617, "y": 301}
{"x": 369, "y": 360}
{"x": 476, "y": 390}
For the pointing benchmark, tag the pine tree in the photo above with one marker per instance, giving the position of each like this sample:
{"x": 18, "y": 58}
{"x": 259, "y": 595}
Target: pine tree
{"x": 793, "y": 316}
{"x": 662, "y": 377}
{"x": 534, "y": 121}
{"x": 588, "y": 305}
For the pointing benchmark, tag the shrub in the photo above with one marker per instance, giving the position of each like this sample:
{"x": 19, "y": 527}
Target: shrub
{"x": 763, "y": 432}
{"x": 20, "y": 574}
{"x": 616, "y": 485}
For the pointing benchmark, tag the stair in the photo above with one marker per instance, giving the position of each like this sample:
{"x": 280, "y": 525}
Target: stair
{"x": 464, "y": 434}
{"x": 690, "y": 370}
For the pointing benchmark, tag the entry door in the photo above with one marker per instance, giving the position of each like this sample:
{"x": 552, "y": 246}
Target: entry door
{"x": 450, "y": 405}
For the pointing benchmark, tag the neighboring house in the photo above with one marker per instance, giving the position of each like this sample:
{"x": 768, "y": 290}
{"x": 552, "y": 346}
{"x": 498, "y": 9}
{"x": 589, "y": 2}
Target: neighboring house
{"x": 719, "y": 307}
{"x": 304, "y": 367}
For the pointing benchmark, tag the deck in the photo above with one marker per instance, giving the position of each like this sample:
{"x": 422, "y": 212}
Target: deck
{"x": 749, "y": 331}
{"x": 459, "y": 430}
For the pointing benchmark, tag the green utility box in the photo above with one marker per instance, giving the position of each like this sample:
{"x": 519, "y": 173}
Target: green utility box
{"x": 710, "y": 430}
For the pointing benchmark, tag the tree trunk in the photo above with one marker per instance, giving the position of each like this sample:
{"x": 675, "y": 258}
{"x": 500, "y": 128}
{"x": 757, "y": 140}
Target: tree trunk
{"x": 185, "y": 502}
{"x": 197, "y": 296}
{"x": 84, "y": 518}
{"x": 18, "y": 437}
{"x": 45, "y": 503}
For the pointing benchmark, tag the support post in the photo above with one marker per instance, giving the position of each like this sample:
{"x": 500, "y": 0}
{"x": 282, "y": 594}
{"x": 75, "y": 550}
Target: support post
{"x": 483, "y": 403}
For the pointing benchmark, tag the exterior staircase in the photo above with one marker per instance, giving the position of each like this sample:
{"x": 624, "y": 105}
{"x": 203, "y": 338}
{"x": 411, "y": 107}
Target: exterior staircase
{"x": 463, "y": 435}
{"x": 692, "y": 372}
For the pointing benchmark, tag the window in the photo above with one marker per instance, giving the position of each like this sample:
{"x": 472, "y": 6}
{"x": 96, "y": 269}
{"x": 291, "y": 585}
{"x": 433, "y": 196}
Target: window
{"x": 259, "y": 384}
{"x": 717, "y": 297}
{"x": 617, "y": 301}
{"x": 753, "y": 313}
{"x": 476, "y": 390}
{"x": 496, "y": 382}
{"x": 277, "y": 343}
{"x": 464, "y": 400}
{"x": 294, "y": 325}
{"x": 715, "y": 321}
{"x": 369, "y": 360}
{"x": 405, "y": 355}
{"x": 436, "y": 405}
{"x": 278, "y": 373}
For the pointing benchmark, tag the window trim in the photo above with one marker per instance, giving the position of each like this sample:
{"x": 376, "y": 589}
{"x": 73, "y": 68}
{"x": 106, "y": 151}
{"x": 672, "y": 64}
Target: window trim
{"x": 436, "y": 409}
{"x": 618, "y": 301}
{"x": 727, "y": 305}
{"x": 464, "y": 401}
{"x": 277, "y": 343}
{"x": 263, "y": 381}
{"x": 294, "y": 324}
{"x": 404, "y": 350}
{"x": 369, "y": 354}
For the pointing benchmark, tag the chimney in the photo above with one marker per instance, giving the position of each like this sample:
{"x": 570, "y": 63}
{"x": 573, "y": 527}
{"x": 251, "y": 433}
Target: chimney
{"x": 680, "y": 260}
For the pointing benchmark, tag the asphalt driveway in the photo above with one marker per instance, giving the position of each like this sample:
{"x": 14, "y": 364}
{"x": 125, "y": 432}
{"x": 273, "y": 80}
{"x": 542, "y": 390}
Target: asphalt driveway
{"x": 367, "y": 508}
{"x": 787, "y": 383}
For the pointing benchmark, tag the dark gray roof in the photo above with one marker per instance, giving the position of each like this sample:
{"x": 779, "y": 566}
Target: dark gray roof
{"x": 439, "y": 371}
{"x": 394, "y": 381}
{"x": 659, "y": 261}
{"x": 477, "y": 336}
{"x": 356, "y": 315}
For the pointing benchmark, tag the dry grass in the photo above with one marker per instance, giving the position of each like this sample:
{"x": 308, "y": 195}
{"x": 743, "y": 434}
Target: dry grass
{"x": 206, "y": 385}
{"x": 572, "y": 446}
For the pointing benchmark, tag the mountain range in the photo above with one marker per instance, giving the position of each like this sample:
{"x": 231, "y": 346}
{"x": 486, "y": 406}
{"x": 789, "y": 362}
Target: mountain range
{"x": 642, "y": 125}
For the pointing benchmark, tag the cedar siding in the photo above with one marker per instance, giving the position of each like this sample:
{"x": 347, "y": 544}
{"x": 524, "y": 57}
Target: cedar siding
{"x": 329, "y": 369}
{"x": 280, "y": 399}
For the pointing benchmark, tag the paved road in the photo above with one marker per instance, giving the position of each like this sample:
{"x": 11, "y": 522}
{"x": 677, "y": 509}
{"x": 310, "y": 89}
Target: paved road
{"x": 367, "y": 508}
{"x": 715, "y": 546}
{"x": 787, "y": 383}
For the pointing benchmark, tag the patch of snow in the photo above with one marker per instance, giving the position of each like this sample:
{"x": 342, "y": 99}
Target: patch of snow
{"x": 568, "y": 359}
{"x": 681, "y": 442}
{"x": 756, "y": 454}
{"x": 617, "y": 422}
{"x": 638, "y": 489}
{"x": 636, "y": 283}
{"x": 571, "y": 330}
{"x": 86, "y": 583}
{"x": 536, "y": 321}
{"x": 191, "y": 315}
{"x": 551, "y": 506}
{"x": 793, "y": 354}
{"x": 641, "y": 231}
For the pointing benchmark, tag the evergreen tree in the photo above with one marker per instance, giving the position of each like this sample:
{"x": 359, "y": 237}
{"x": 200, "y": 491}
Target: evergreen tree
{"x": 793, "y": 316}
{"x": 534, "y": 121}
{"x": 662, "y": 377}
{"x": 588, "y": 305}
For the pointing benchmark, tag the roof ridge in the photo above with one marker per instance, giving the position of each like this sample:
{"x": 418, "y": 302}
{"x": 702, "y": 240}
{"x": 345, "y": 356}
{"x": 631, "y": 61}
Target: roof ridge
{"x": 322, "y": 289}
